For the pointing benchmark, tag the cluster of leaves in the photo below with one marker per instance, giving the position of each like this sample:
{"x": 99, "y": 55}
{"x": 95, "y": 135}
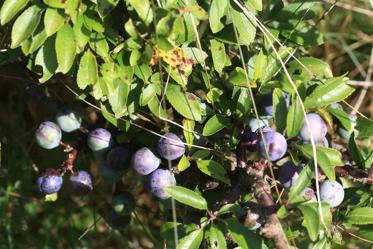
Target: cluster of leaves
{"x": 203, "y": 65}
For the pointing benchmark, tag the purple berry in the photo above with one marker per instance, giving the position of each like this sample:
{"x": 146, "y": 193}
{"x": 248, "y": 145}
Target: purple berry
{"x": 68, "y": 120}
{"x": 99, "y": 139}
{"x": 317, "y": 126}
{"x": 144, "y": 161}
{"x": 48, "y": 135}
{"x": 288, "y": 174}
{"x": 170, "y": 146}
{"x": 50, "y": 182}
{"x": 81, "y": 182}
{"x": 332, "y": 193}
{"x": 275, "y": 143}
{"x": 159, "y": 179}
{"x": 123, "y": 203}
{"x": 118, "y": 158}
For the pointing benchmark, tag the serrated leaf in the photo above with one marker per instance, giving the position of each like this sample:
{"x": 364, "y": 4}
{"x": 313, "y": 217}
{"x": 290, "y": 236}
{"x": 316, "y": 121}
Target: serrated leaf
{"x": 143, "y": 9}
{"x": 10, "y": 9}
{"x": 99, "y": 44}
{"x": 215, "y": 124}
{"x": 65, "y": 48}
{"x": 47, "y": 59}
{"x": 360, "y": 216}
{"x": 216, "y": 238}
{"x": 25, "y": 25}
{"x": 294, "y": 119}
{"x": 192, "y": 240}
{"x": 213, "y": 169}
{"x": 219, "y": 57}
{"x": 118, "y": 98}
{"x": 53, "y": 20}
{"x": 187, "y": 197}
{"x": 334, "y": 90}
{"x": 81, "y": 33}
{"x": 218, "y": 10}
{"x": 187, "y": 104}
{"x": 87, "y": 72}
{"x": 147, "y": 94}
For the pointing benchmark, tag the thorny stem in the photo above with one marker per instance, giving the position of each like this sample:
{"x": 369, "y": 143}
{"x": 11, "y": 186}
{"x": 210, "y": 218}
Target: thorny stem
{"x": 67, "y": 165}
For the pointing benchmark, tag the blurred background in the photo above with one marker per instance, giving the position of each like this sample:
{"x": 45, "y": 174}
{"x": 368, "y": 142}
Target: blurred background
{"x": 26, "y": 221}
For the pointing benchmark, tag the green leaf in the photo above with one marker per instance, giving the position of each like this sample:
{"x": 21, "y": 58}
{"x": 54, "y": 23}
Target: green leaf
{"x": 260, "y": 65}
{"x": 65, "y": 48}
{"x": 99, "y": 44}
{"x": 360, "y": 216}
{"x": 246, "y": 28}
{"x": 215, "y": 124}
{"x": 327, "y": 158}
{"x": 118, "y": 98}
{"x": 213, "y": 169}
{"x": 183, "y": 164}
{"x": 242, "y": 235}
{"x": 47, "y": 59}
{"x": 219, "y": 57}
{"x": 10, "y": 9}
{"x": 72, "y": 9}
{"x": 53, "y": 20}
{"x": 55, "y": 3}
{"x": 342, "y": 117}
{"x": 279, "y": 109}
{"x": 238, "y": 78}
{"x": 185, "y": 103}
{"x": 274, "y": 65}
{"x": 38, "y": 39}
{"x": 143, "y": 9}
{"x": 218, "y": 10}
{"x": 188, "y": 131}
{"x": 51, "y": 198}
{"x": 92, "y": 22}
{"x": 106, "y": 6}
{"x": 301, "y": 183}
{"x": 229, "y": 208}
{"x": 354, "y": 151}
{"x": 156, "y": 108}
{"x": 311, "y": 67}
{"x": 192, "y": 240}
{"x": 196, "y": 54}
{"x": 187, "y": 197}
{"x": 334, "y": 90}
{"x": 87, "y": 72}
{"x": 197, "y": 11}
{"x": 147, "y": 94}
{"x": 81, "y": 33}
{"x": 25, "y": 25}
{"x": 294, "y": 119}
{"x": 365, "y": 127}
{"x": 216, "y": 238}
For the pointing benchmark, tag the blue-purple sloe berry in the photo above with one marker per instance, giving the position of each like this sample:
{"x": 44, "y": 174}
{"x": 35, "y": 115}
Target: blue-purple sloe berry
{"x": 144, "y": 161}
{"x": 99, "y": 139}
{"x": 275, "y": 143}
{"x": 49, "y": 182}
{"x": 170, "y": 146}
{"x": 81, "y": 182}
{"x": 160, "y": 179}
{"x": 68, "y": 120}
{"x": 48, "y": 135}
{"x": 288, "y": 174}
{"x": 318, "y": 128}
{"x": 332, "y": 193}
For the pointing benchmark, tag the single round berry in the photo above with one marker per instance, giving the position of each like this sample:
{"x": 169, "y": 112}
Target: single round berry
{"x": 317, "y": 127}
{"x": 99, "y": 139}
{"x": 170, "y": 146}
{"x": 50, "y": 182}
{"x": 276, "y": 145}
{"x": 118, "y": 158}
{"x": 160, "y": 179}
{"x": 123, "y": 203}
{"x": 346, "y": 134}
{"x": 255, "y": 124}
{"x": 81, "y": 181}
{"x": 332, "y": 193}
{"x": 68, "y": 120}
{"x": 144, "y": 161}
{"x": 288, "y": 174}
{"x": 108, "y": 173}
{"x": 48, "y": 135}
